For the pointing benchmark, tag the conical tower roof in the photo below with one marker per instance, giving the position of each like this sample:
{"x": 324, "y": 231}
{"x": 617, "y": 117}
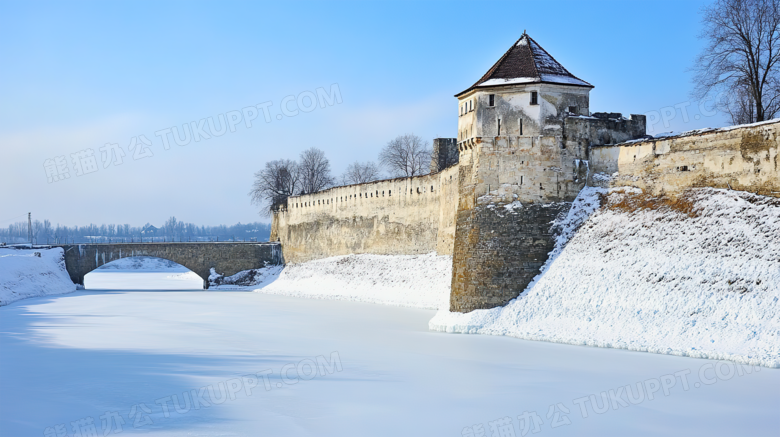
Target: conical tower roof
{"x": 527, "y": 62}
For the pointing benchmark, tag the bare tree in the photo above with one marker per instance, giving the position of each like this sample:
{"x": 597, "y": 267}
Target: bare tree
{"x": 741, "y": 57}
{"x": 37, "y": 227}
{"x": 47, "y": 231}
{"x": 741, "y": 108}
{"x": 274, "y": 184}
{"x": 406, "y": 155}
{"x": 169, "y": 228}
{"x": 360, "y": 173}
{"x": 314, "y": 169}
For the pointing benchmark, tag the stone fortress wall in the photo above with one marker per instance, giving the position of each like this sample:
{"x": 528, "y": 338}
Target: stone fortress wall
{"x": 743, "y": 158}
{"x": 466, "y": 210}
{"x": 526, "y": 165}
{"x": 527, "y": 144}
{"x": 402, "y": 216}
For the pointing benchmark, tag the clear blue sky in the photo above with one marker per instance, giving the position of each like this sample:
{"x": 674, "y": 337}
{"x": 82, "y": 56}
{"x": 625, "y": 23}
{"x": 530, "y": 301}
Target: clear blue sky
{"x": 78, "y": 75}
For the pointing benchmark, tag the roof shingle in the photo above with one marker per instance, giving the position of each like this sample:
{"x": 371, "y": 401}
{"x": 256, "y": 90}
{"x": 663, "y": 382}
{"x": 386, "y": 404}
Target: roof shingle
{"x": 527, "y": 62}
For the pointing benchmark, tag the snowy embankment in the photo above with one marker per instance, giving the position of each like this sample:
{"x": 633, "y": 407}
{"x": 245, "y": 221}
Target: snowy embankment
{"x": 32, "y": 272}
{"x": 696, "y": 277}
{"x": 419, "y": 281}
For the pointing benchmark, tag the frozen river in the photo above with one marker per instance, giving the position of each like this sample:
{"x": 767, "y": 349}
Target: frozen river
{"x": 174, "y": 360}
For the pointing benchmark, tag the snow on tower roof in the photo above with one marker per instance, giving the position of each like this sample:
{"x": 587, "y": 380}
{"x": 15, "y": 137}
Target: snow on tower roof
{"x": 527, "y": 62}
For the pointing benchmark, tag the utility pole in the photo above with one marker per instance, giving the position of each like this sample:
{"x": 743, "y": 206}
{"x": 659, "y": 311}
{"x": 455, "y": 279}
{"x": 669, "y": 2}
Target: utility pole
{"x": 29, "y": 227}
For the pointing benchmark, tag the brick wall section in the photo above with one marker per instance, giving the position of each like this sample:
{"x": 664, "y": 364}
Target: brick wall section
{"x": 226, "y": 258}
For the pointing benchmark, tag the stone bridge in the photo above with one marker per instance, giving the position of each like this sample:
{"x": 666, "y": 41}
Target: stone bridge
{"x": 227, "y": 258}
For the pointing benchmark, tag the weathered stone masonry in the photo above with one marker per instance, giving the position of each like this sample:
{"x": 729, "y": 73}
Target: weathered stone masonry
{"x": 522, "y": 142}
{"x": 445, "y": 154}
{"x": 527, "y": 144}
{"x": 525, "y": 131}
{"x": 744, "y": 159}
{"x": 392, "y": 217}
{"x": 226, "y": 258}
{"x": 498, "y": 251}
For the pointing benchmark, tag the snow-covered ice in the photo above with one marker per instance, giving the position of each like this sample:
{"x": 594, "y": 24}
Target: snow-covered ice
{"x": 97, "y": 354}
{"x": 133, "y": 280}
{"x": 419, "y": 281}
{"x": 32, "y": 272}
{"x": 703, "y": 282}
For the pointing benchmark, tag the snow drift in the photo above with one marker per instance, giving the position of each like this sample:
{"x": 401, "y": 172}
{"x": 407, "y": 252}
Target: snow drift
{"x": 419, "y": 281}
{"x": 32, "y": 272}
{"x": 698, "y": 276}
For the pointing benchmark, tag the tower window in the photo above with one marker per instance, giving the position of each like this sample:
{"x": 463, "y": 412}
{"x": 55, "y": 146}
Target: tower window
{"x": 499, "y": 126}
{"x": 573, "y": 109}
{"x": 534, "y": 98}
{"x": 491, "y": 100}
{"x": 521, "y": 126}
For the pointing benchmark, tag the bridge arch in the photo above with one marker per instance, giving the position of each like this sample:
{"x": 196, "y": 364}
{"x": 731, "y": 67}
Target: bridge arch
{"x": 227, "y": 258}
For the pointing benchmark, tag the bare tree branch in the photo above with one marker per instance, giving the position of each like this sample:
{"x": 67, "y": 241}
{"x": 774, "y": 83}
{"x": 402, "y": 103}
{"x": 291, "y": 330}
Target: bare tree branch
{"x": 315, "y": 171}
{"x": 274, "y": 184}
{"x": 360, "y": 173}
{"x": 741, "y": 58}
{"x": 406, "y": 155}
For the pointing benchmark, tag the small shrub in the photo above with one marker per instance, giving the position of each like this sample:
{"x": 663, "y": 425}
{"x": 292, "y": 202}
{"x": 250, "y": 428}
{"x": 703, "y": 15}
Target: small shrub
{"x": 633, "y": 202}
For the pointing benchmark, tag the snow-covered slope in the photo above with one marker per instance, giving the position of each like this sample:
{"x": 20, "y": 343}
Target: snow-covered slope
{"x": 420, "y": 281}
{"x": 24, "y": 274}
{"x": 699, "y": 277}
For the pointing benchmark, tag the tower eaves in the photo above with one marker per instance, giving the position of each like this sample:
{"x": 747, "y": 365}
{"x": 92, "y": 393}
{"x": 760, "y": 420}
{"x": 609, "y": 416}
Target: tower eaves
{"x": 524, "y": 63}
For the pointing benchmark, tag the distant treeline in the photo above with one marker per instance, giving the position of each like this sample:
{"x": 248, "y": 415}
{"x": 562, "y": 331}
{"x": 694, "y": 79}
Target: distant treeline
{"x": 172, "y": 230}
